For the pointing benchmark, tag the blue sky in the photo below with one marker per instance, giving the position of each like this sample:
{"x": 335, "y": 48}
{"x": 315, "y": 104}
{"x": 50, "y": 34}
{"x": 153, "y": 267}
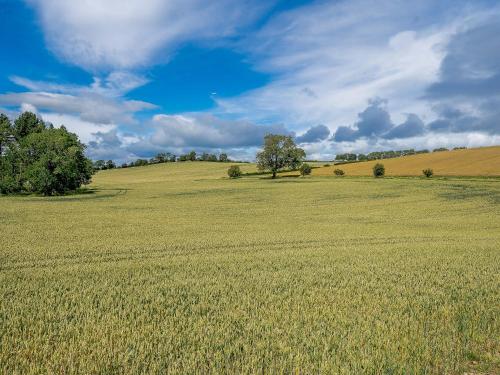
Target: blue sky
{"x": 139, "y": 77}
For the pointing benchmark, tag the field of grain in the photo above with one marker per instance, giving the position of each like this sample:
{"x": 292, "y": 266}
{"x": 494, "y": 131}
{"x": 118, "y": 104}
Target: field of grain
{"x": 175, "y": 268}
{"x": 484, "y": 161}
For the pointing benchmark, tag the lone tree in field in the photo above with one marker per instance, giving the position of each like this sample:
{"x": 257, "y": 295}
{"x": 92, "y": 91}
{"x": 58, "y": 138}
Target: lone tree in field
{"x": 305, "y": 169}
{"x": 428, "y": 172}
{"x": 279, "y": 152}
{"x": 234, "y": 171}
{"x": 378, "y": 170}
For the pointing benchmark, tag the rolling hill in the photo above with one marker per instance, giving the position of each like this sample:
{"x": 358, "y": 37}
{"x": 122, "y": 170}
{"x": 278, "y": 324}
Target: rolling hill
{"x": 484, "y": 161}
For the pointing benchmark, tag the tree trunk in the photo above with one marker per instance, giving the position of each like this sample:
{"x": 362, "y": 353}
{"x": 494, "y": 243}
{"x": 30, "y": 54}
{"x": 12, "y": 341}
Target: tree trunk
{"x": 274, "y": 174}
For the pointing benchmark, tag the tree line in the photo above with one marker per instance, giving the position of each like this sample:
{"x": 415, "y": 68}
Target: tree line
{"x": 377, "y": 155}
{"x": 35, "y": 157}
{"x": 162, "y": 157}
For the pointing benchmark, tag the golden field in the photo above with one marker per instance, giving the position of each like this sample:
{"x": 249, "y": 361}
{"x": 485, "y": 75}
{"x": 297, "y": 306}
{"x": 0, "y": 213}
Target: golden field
{"x": 484, "y": 161}
{"x": 174, "y": 268}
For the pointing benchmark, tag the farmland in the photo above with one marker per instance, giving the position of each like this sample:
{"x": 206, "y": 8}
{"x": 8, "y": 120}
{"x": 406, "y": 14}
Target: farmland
{"x": 175, "y": 268}
{"x": 484, "y": 161}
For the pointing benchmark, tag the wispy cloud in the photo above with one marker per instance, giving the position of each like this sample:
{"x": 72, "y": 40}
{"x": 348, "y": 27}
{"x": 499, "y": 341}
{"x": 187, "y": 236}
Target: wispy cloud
{"x": 116, "y": 34}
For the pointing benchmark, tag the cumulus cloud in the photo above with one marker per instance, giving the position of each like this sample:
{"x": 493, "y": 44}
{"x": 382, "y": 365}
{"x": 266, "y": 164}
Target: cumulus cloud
{"x": 375, "y": 122}
{"x": 205, "y": 130}
{"x": 330, "y": 58}
{"x": 116, "y": 34}
{"x": 466, "y": 95}
{"x": 84, "y": 129}
{"x": 412, "y": 127}
{"x": 314, "y": 134}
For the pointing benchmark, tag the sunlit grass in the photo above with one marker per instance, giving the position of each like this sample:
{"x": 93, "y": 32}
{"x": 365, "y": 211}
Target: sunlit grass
{"x": 176, "y": 268}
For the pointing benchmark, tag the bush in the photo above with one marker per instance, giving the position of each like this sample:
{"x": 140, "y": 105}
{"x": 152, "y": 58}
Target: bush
{"x": 378, "y": 170}
{"x": 326, "y": 165}
{"x": 339, "y": 172}
{"x": 305, "y": 169}
{"x": 428, "y": 172}
{"x": 234, "y": 171}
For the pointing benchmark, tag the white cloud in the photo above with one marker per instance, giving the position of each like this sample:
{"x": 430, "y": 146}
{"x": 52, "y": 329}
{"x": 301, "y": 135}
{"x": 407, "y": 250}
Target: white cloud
{"x": 330, "y": 58}
{"x": 100, "y": 103}
{"x": 86, "y": 130}
{"x": 207, "y": 131}
{"x": 117, "y": 34}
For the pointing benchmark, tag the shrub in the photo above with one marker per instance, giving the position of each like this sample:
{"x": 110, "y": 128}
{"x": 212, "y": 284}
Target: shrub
{"x": 234, "y": 171}
{"x": 326, "y": 165}
{"x": 339, "y": 172}
{"x": 305, "y": 169}
{"x": 428, "y": 172}
{"x": 378, "y": 170}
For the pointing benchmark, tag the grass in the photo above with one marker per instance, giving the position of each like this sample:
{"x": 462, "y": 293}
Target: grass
{"x": 484, "y": 161}
{"x": 175, "y": 268}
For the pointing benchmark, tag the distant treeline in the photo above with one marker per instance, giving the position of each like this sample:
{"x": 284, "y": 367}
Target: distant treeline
{"x": 377, "y": 155}
{"x": 163, "y": 157}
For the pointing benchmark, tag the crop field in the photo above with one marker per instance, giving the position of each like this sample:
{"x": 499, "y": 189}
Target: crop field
{"x": 174, "y": 268}
{"x": 484, "y": 161}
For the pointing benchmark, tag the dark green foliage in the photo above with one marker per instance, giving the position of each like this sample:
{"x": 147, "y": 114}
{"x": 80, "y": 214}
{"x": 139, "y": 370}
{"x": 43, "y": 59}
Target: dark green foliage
{"x": 305, "y": 169}
{"x": 234, "y": 171}
{"x": 279, "y": 152}
{"x": 110, "y": 164}
{"x": 99, "y": 165}
{"x": 338, "y": 172}
{"x": 378, "y": 170}
{"x": 26, "y": 124}
{"x": 440, "y": 149}
{"x": 362, "y": 157}
{"x": 223, "y": 158}
{"x": 140, "y": 162}
{"x": 5, "y": 133}
{"x": 428, "y": 172}
{"x": 42, "y": 159}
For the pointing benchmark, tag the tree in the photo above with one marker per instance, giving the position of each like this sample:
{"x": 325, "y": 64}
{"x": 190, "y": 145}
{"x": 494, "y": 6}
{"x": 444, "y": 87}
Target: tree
{"x": 5, "y": 132}
{"x": 223, "y": 158}
{"x": 440, "y": 149}
{"x": 234, "y": 171}
{"x": 362, "y": 157}
{"x": 428, "y": 172}
{"x": 26, "y": 124}
{"x": 99, "y": 165}
{"x": 161, "y": 157}
{"x": 191, "y": 156}
{"x": 43, "y": 159}
{"x": 305, "y": 169}
{"x": 279, "y": 152}
{"x": 378, "y": 170}
{"x": 110, "y": 164}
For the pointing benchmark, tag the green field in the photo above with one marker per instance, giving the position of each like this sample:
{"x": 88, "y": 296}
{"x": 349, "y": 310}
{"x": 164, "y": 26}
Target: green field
{"x": 175, "y": 268}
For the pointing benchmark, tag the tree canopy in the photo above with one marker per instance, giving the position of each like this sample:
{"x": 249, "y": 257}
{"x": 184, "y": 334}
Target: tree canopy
{"x": 36, "y": 157}
{"x": 279, "y": 152}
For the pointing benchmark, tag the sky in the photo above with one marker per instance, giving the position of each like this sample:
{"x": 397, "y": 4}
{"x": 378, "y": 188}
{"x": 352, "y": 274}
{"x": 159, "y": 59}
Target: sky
{"x": 134, "y": 78}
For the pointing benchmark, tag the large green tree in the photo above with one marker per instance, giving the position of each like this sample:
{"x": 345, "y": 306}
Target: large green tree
{"x": 43, "y": 159}
{"x": 279, "y": 152}
{"x": 5, "y": 132}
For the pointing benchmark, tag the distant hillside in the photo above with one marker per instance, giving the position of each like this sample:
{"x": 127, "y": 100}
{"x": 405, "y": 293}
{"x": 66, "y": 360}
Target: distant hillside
{"x": 484, "y": 161}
